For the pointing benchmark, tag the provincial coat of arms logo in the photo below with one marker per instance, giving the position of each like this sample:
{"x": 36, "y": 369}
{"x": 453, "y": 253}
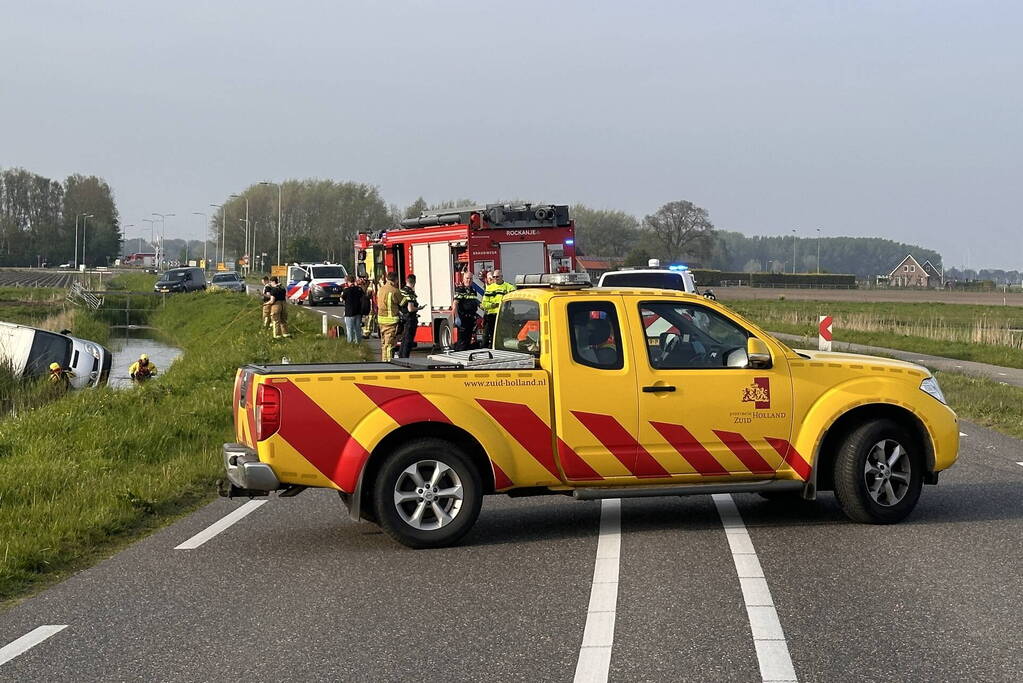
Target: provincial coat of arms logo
{"x": 758, "y": 393}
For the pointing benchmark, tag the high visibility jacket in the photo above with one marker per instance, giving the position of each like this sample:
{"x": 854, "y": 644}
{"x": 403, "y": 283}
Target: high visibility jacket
{"x": 493, "y": 295}
{"x": 61, "y": 377}
{"x": 136, "y": 369}
{"x": 387, "y": 304}
{"x": 406, "y": 296}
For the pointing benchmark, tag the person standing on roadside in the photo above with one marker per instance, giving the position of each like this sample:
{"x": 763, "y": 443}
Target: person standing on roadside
{"x": 388, "y": 297}
{"x": 267, "y": 302}
{"x": 278, "y": 312}
{"x": 467, "y": 308}
{"x": 492, "y": 297}
{"x": 353, "y": 295}
{"x": 408, "y": 305}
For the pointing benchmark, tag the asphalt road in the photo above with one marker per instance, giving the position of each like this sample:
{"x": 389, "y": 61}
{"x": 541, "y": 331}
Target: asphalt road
{"x": 296, "y": 591}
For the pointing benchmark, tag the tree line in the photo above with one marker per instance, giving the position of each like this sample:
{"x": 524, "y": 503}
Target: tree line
{"x": 39, "y": 219}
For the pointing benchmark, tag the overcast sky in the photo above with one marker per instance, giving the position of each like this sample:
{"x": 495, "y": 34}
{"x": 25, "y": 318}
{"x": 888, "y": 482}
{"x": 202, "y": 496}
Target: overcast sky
{"x": 894, "y": 119}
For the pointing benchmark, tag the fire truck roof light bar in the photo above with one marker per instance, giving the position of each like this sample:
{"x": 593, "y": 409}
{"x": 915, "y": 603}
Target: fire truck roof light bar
{"x": 506, "y": 215}
{"x": 554, "y": 280}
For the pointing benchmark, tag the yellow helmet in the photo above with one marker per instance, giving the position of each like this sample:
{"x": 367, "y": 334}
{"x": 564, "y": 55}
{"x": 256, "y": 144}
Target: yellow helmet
{"x": 144, "y": 357}
{"x": 55, "y": 366}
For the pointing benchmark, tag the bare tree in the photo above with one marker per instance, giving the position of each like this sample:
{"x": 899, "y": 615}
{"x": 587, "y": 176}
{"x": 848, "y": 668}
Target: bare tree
{"x": 680, "y": 229}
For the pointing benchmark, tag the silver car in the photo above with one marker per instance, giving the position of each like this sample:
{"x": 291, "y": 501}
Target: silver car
{"x": 229, "y": 281}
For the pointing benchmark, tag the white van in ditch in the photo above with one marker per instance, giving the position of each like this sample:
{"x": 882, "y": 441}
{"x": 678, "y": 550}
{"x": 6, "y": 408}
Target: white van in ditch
{"x": 30, "y": 351}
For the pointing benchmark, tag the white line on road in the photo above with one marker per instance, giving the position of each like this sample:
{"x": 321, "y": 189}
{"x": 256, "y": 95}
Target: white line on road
{"x": 962, "y": 433}
{"x": 768, "y": 637}
{"x": 218, "y": 526}
{"x": 27, "y": 642}
{"x": 1020, "y": 464}
{"x": 599, "y": 634}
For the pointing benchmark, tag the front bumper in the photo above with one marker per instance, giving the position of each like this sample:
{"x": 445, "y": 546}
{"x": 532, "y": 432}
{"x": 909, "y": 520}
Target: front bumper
{"x": 246, "y": 475}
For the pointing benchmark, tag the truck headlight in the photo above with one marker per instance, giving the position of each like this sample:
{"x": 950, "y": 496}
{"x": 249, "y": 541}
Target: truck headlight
{"x": 930, "y": 386}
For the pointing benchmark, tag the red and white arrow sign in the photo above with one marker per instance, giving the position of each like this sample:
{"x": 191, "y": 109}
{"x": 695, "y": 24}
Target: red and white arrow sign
{"x": 824, "y": 333}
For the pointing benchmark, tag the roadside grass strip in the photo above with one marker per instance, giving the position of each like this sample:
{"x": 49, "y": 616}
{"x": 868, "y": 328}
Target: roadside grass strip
{"x": 768, "y": 636}
{"x": 599, "y": 634}
{"x": 220, "y": 525}
{"x": 28, "y": 641}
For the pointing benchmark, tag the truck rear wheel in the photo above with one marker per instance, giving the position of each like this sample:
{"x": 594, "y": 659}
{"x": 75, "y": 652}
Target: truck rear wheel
{"x": 878, "y": 473}
{"x": 427, "y": 494}
{"x": 442, "y": 337}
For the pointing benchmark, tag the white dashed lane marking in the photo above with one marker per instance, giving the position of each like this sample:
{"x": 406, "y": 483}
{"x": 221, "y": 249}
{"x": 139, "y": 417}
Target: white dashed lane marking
{"x": 962, "y": 433}
{"x": 1020, "y": 464}
{"x": 768, "y": 636}
{"x": 599, "y": 633}
{"x": 220, "y": 525}
{"x": 27, "y": 642}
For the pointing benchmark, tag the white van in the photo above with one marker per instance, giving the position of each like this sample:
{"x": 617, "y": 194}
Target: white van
{"x": 30, "y": 351}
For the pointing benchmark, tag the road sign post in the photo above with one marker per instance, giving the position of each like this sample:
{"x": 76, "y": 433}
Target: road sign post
{"x": 824, "y": 333}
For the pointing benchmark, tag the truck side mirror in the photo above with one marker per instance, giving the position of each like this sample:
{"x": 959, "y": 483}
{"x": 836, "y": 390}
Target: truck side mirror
{"x": 758, "y": 353}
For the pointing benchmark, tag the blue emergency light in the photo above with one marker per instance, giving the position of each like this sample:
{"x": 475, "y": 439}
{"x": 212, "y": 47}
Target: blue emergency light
{"x": 678, "y": 267}
{"x": 570, "y": 242}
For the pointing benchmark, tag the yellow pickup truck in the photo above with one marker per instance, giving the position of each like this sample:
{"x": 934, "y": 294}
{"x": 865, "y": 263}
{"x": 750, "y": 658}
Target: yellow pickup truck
{"x": 631, "y": 393}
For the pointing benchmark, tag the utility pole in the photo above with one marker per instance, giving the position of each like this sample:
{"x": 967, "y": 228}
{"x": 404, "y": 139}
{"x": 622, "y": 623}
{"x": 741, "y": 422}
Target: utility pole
{"x": 223, "y": 231}
{"x": 245, "y": 249}
{"x": 163, "y": 235}
{"x": 85, "y": 222}
{"x": 279, "y": 195}
{"x": 77, "y": 216}
{"x": 205, "y": 238}
{"x": 818, "y": 251}
{"x": 793, "y": 251}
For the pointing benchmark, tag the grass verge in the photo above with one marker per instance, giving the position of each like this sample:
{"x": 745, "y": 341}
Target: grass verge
{"x": 984, "y": 401}
{"x": 99, "y": 466}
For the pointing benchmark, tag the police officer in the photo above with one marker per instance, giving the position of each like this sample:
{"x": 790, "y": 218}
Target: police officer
{"x": 492, "y": 297}
{"x": 467, "y": 307}
{"x": 408, "y": 307}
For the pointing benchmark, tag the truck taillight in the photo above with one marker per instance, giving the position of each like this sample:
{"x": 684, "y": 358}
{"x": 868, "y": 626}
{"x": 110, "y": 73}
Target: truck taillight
{"x": 268, "y": 411}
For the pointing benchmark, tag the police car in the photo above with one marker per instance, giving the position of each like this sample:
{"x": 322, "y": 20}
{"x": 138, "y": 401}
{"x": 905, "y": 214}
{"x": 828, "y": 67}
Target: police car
{"x": 677, "y": 277}
{"x": 316, "y": 284}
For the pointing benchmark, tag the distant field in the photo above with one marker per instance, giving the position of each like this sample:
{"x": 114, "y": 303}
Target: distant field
{"x": 1014, "y": 298}
{"x": 37, "y": 277}
{"x": 985, "y": 334}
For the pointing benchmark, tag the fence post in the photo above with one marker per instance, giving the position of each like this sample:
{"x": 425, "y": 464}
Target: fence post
{"x": 326, "y": 325}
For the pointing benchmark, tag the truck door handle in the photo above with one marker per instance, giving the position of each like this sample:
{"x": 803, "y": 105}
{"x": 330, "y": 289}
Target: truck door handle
{"x": 655, "y": 388}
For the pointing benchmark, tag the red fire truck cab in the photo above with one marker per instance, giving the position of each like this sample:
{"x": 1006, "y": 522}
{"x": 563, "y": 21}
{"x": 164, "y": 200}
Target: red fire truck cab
{"x": 439, "y": 247}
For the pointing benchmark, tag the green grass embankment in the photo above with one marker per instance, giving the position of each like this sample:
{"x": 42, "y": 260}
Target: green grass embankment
{"x": 100, "y": 466}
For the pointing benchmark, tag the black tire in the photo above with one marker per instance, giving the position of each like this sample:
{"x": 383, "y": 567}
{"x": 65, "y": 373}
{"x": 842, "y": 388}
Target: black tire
{"x": 853, "y": 481}
{"x": 443, "y": 339}
{"x": 393, "y": 478}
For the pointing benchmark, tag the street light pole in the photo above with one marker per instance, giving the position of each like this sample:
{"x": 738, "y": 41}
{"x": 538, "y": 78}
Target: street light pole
{"x": 818, "y": 251}
{"x": 793, "y": 251}
{"x": 85, "y": 222}
{"x": 223, "y": 230}
{"x": 205, "y": 239}
{"x": 163, "y": 235}
{"x": 245, "y": 249}
{"x": 279, "y": 195}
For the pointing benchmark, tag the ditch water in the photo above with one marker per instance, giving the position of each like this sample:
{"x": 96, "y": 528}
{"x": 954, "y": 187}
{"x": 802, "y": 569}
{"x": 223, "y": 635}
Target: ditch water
{"x": 127, "y": 345}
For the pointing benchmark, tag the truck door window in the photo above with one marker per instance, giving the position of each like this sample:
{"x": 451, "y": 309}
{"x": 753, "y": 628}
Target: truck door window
{"x": 595, "y": 335}
{"x": 683, "y": 336}
{"x": 518, "y": 327}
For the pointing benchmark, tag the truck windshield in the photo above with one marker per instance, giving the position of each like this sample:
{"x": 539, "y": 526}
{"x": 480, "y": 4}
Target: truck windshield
{"x": 666, "y": 280}
{"x": 335, "y": 272}
{"x": 47, "y": 348}
{"x": 518, "y": 327}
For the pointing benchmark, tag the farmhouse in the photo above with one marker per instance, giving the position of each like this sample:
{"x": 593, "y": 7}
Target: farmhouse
{"x": 909, "y": 273}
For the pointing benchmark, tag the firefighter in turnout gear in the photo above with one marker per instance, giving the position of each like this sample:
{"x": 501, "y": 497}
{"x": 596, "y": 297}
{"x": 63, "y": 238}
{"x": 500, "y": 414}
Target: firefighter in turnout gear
{"x": 59, "y": 377}
{"x": 492, "y": 297}
{"x": 467, "y": 308}
{"x": 267, "y": 303}
{"x": 142, "y": 369}
{"x": 388, "y": 297}
{"x": 408, "y": 307}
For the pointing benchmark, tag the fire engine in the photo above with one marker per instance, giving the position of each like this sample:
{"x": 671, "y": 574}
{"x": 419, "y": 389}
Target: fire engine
{"x": 439, "y": 247}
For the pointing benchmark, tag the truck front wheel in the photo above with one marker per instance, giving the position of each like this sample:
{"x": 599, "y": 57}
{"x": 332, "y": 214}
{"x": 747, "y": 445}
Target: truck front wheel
{"x": 878, "y": 473}
{"x": 427, "y": 494}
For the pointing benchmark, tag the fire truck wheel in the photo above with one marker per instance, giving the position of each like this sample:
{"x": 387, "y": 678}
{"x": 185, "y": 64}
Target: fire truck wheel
{"x": 878, "y": 473}
{"x": 427, "y": 494}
